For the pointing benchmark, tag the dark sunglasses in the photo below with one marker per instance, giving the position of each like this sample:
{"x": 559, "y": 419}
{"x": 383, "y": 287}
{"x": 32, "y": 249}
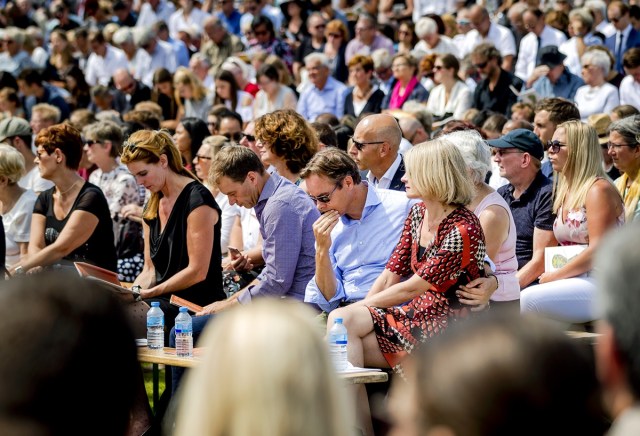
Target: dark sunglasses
{"x": 481, "y": 65}
{"x": 90, "y": 142}
{"x": 236, "y": 136}
{"x": 554, "y": 146}
{"x": 360, "y": 145}
{"x": 324, "y": 198}
{"x": 250, "y": 138}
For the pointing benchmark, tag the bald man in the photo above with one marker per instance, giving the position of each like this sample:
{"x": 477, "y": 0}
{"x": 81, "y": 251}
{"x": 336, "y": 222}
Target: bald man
{"x": 130, "y": 91}
{"x": 376, "y": 141}
{"x": 413, "y": 131}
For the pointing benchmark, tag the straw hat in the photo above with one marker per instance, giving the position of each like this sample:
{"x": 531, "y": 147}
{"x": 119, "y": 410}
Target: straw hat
{"x": 601, "y": 123}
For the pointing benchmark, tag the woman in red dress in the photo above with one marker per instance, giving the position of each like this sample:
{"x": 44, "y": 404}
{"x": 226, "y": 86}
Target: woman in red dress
{"x": 441, "y": 247}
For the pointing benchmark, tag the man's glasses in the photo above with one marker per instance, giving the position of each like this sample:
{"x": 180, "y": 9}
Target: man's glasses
{"x": 90, "y": 142}
{"x": 324, "y": 198}
{"x": 200, "y": 157}
{"x": 615, "y": 19}
{"x": 555, "y": 146}
{"x": 250, "y": 138}
{"x": 260, "y": 32}
{"x": 360, "y": 145}
{"x": 235, "y": 136}
{"x": 500, "y": 152}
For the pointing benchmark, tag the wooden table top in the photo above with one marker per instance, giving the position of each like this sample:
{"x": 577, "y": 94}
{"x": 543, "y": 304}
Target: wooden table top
{"x": 167, "y": 356}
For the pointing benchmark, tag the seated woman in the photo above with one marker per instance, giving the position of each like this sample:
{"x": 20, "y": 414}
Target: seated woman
{"x": 229, "y": 94}
{"x": 273, "y": 95}
{"x": 441, "y": 247}
{"x": 17, "y": 205}
{"x": 286, "y": 141}
{"x": 103, "y": 142}
{"x": 452, "y": 97}
{"x": 189, "y": 135}
{"x": 71, "y": 221}
{"x": 495, "y": 217}
{"x": 164, "y": 94}
{"x": 181, "y": 226}
{"x": 624, "y": 148}
{"x": 405, "y": 86}
{"x": 587, "y": 206}
{"x": 363, "y": 97}
{"x": 596, "y": 96}
{"x": 193, "y": 99}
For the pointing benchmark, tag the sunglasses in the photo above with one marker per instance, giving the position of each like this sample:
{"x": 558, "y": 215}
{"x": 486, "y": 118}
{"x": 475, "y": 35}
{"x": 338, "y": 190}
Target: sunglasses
{"x": 335, "y": 35}
{"x": 236, "y": 136}
{"x": 438, "y": 68}
{"x": 200, "y": 157}
{"x": 130, "y": 146}
{"x": 324, "y": 198}
{"x": 90, "y": 142}
{"x": 554, "y": 146}
{"x": 360, "y": 145}
{"x": 260, "y": 32}
{"x": 250, "y": 138}
{"x": 481, "y": 65}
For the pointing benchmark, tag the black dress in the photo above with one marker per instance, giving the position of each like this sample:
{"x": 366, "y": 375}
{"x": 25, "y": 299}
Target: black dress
{"x": 169, "y": 250}
{"x": 99, "y": 249}
{"x": 373, "y": 105}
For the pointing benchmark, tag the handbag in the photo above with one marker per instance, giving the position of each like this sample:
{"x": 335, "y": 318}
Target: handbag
{"x": 129, "y": 239}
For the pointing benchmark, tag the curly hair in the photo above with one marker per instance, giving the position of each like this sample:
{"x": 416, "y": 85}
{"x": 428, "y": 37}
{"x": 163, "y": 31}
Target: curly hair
{"x": 64, "y": 137}
{"x": 289, "y": 137}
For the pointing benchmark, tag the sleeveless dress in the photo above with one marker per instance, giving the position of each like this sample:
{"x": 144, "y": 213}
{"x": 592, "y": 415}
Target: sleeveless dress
{"x": 455, "y": 256}
{"x": 506, "y": 261}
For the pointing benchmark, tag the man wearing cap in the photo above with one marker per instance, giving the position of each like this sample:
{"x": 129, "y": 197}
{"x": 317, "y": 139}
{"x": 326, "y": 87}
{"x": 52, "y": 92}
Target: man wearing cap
{"x": 530, "y": 197}
{"x": 17, "y": 133}
{"x": 601, "y": 123}
{"x": 550, "y": 78}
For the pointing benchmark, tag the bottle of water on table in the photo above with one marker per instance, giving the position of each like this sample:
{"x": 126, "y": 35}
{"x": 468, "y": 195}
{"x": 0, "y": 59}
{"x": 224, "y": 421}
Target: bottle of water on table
{"x": 338, "y": 345}
{"x": 155, "y": 326}
{"x": 184, "y": 334}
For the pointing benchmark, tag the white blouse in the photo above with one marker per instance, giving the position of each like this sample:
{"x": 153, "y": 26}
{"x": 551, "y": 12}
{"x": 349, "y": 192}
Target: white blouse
{"x": 596, "y": 99}
{"x": 460, "y": 100}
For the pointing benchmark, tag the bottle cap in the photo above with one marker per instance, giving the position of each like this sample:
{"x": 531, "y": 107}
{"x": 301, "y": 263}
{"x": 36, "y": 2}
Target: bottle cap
{"x": 155, "y": 304}
{"x": 183, "y": 309}
{"x": 338, "y": 320}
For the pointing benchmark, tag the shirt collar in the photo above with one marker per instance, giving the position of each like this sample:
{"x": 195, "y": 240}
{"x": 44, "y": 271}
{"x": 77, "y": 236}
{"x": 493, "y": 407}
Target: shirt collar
{"x": 388, "y": 175}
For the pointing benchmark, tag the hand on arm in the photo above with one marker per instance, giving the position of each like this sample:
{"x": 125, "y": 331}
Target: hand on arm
{"x": 398, "y": 293}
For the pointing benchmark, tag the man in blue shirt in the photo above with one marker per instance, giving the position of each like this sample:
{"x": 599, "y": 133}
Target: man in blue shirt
{"x": 356, "y": 233}
{"x": 325, "y": 94}
{"x": 551, "y": 78}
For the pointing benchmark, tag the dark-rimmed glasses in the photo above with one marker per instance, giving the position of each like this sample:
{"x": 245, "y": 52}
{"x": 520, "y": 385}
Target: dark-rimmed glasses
{"x": 90, "y": 142}
{"x": 481, "y": 65}
{"x": 554, "y": 146}
{"x": 501, "y": 152}
{"x": 360, "y": 145}
{"x": 250, "y": 138}
{"x": 324, "y": 198}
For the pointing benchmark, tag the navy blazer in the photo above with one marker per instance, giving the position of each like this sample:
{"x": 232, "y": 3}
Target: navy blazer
{"x": 396, "y": 183}
{"x": 632, "y": 41}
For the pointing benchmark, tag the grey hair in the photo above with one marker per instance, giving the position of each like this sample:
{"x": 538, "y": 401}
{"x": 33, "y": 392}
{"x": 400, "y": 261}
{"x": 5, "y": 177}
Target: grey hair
{"x": 381, "y": 58}
{"x": 122, "y": 35}
{"x": 628, "y": 128}
{"x": 143, "y": 36}
{"x": 16, "y": 34}
{"x": 475, "y": 152}
{"x": 426, "y": 26}
{"x": 584, "y": 15}
{"x": 618, "y": 294}
{"x": 317, "y": 57}
{"x": 597, "y": 5}
{"x": 598, "y": 58}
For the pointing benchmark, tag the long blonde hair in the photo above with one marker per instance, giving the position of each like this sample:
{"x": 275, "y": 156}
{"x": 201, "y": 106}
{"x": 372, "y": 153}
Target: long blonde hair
{"x": 184, "y": 76}
{"x": 582, "y": 168}
{"x": 148, "y": 146}
{"x": 266, "y": 372}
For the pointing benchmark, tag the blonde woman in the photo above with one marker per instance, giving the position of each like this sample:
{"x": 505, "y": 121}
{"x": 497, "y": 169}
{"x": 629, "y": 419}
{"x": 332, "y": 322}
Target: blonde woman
{"x": 587, "y": 206}
{"x": 17, "y": 205}
{"x": 624, "y": 149}
{"x": 197, "y": 99}
{"x": 262, "y": 381}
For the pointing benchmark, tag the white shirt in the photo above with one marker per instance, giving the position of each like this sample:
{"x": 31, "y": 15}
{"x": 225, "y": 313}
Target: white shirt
{"x": 498, "y": 35}
{"x": 148, "y": 17}
{"x": 228, "y": 217}
{"x": 445, "y": 46}
{"x": 529, "y": 49}
{"x": 460, "y": 100}
{"x": 606, "y": 28}
{"x": 145, "y": 64}
{"x": 424, "y": 7}
{"x": 596, "y": 100}
{"x": 33, "y": 181}
{"x": 572, "y": 60}
{"x": 630, "y": 92}
{"x": 385, "y": 181}
{"x": 100, "y": 69}
{"x": 178, "y": 22}
{"x": 17, "y": 226}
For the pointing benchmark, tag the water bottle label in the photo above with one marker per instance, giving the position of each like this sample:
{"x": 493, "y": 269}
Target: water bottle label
{"x": 341, "y": 342}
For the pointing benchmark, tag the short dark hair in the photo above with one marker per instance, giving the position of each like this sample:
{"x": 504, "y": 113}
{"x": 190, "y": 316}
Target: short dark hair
{"x": 631, "y": 58}
{"x": 197, "y": 130}
{"x": 224, "y": 112}
{"x": 31, "y": 76}
{"x": 235, "y": 162}
{"x": 560, "y": 109}
{"x": 326, "y": 135}
{"x": 268, "y": 71}
{"x": 261, "y": 20}
{"x": 334, "y": 164}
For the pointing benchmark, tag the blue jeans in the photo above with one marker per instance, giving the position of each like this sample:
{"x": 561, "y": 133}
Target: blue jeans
{"x": 199, "y": 323}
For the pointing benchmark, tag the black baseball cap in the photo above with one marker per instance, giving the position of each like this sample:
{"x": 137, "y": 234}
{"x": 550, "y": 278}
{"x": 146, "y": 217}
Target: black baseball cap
{"x": 522, "y": 139}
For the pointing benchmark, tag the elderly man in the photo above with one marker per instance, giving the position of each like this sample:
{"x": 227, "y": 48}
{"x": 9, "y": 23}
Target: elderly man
{"x": 14, "y": 59}
{"x": 220, "y": 43}
{"x": 325, "y": 94}
{"x": 530, "y": 197}
{"x": 155, "y": 54}
{"x": 487, "y": 31}
{"x": 367, "y": 38}
{"x": 626, "y": 36}
{"x": 376, "y": 141}
{"x": 431, "y": 41}
{"x": 540, "y": 35}
{"x": 130, "y": 89}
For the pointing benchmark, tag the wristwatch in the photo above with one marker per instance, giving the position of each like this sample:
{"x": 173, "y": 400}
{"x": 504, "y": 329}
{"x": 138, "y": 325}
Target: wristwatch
{"x": 19, "y": 270}
{"x": 135, "y": 289}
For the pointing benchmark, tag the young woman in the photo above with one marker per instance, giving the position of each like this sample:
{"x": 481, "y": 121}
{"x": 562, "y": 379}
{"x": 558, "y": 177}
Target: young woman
{"x": 272, "y": 95}
{"x": 229, "y": 94}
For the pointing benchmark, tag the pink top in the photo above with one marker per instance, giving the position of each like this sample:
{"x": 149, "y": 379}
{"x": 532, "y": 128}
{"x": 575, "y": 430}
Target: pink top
{"x": 506, "y": 262}
{"x": 574, "y": 230}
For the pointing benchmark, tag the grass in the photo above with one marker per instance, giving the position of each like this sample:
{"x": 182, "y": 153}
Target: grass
{"x": 147, "y": 371}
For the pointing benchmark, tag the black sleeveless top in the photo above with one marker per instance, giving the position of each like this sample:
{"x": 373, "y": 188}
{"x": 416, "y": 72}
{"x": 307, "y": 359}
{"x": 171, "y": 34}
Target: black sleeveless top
{"x": 169, "y": 247}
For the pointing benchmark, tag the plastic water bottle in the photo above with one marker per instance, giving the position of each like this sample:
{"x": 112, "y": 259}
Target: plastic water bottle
{"x": 155, "y": 326}
{"x": 184, "y": 334}
{"x": 338, "y": 345}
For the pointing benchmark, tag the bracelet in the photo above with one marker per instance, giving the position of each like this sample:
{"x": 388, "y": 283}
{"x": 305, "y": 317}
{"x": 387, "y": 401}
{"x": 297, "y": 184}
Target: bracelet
{"x": 495, "y": 277}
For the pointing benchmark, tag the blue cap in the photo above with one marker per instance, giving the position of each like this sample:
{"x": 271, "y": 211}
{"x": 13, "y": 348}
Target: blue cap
{"x": 522, "y": 139}
{"x": 183, "y": 309}
{"x": 155, "y": 304}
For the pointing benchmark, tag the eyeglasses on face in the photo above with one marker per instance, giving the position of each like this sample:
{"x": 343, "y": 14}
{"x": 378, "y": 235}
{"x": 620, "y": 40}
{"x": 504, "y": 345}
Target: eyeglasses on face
{"x": 501, "y": 152}
{"x": 235, "y": 136}
{"x": 335, "y": 35}
{"x": 90, "y": 142}
{"x": 360, "y": 145}
{"x": 250, "y": 138}
{"x": 619, "y": 146}
{"x": 481, "y": 65}
{"x": 201, "y": 157}
{"x": 324, "y": 198}
{"x": 555, "y": 146}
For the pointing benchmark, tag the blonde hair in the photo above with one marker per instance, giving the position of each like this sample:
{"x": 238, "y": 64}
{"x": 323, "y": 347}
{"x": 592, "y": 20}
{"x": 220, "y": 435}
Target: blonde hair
{"x": 148, "y": 146}
{"x": 184, "y": 76}
{"x": 11, "y": 163}
{"x": 266, "y": 372}
{"x": 437, "y": 170}
{"x": 48, "y": 112}
{"x": 582, "y": 168}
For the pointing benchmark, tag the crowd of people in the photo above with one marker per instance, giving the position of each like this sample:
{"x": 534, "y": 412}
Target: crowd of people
{"x": 410, "y": 167}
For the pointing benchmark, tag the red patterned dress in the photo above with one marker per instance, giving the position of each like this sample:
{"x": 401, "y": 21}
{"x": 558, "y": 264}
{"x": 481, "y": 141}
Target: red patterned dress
{"x": 454, "y": 257}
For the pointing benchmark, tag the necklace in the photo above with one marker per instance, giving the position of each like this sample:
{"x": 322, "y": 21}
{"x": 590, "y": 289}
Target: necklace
{"x": 69, "y": 189}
